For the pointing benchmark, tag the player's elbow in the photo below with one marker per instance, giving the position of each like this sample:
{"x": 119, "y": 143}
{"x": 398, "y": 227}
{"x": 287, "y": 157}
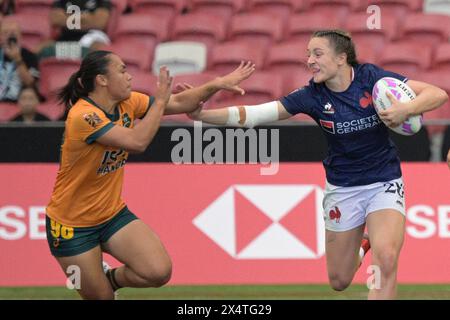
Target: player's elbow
{"x": 139, "y": 147}
{"x": 444, "y": 96}
{"x": 136, "y": 146}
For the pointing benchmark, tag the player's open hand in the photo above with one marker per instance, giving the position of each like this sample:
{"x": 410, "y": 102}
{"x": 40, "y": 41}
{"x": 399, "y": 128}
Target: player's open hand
{"x": 163, "y": 86}
{"x": 231, "y": 81}
{"x": 396, "y": 114}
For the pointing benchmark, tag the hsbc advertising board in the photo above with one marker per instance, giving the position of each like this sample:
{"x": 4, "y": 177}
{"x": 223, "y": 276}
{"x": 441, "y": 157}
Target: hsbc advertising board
{"x": 227, "y": 224}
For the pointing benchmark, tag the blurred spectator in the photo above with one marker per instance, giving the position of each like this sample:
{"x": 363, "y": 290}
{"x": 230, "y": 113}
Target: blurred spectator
{"x": 18, "y": 66}
{"x": 29, "y": 99}
{"x": 94, "y": 21}
{"x": 6, "y": 7}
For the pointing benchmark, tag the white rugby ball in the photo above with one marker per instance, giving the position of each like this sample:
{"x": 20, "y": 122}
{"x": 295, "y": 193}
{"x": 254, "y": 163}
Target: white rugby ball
{"x": 402, "y": 92}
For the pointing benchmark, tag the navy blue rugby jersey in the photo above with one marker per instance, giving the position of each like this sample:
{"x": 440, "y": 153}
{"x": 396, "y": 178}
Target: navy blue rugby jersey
{"x": 360, "y": 151}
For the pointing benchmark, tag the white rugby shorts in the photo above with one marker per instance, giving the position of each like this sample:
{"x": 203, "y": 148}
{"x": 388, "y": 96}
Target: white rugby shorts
{"x": 346, "y": 208}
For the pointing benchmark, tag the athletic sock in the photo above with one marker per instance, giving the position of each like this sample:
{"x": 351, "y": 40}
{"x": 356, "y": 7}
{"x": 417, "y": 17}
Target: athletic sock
{"x": 110, "y": 274}
{"x": 365, "y": 246}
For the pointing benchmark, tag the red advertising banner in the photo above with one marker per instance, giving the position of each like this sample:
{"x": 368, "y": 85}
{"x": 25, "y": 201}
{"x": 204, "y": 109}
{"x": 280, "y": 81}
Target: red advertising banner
{"x": 227, "y": 224}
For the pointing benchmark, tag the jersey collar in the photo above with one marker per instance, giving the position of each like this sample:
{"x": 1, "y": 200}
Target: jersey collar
{"x": 113, "y": 117}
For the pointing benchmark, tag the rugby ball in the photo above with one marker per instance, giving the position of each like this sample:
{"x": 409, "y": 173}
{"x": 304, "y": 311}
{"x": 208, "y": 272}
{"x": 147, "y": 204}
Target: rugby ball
{"x": 402, "y": 92}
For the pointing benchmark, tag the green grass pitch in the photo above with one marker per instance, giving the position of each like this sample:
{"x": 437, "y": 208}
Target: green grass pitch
{"x": 234, "y": 292}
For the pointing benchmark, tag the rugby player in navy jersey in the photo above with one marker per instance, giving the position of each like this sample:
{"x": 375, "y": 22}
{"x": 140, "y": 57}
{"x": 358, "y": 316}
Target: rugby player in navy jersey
{"x": 364, "y": 184}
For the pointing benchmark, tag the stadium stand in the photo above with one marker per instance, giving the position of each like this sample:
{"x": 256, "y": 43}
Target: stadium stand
{"x": 260, "y": 30}
{"x": 52, "y": 109}
{"x": 163, "y": 8}
{"x": 37, "y": 7}
{"x": 8, "y": 111}
{"x": 146, "y": 29}
{"x": 200, "y": 27}
{"x": 437, "y": 6}
{"x": 54, "y": 73}
{"x": 373, "y": 39}
{"x": 442, "y": 58}
{"x": 301, "y": 26}
{"x": 399, "y": 8}
{"x": 34, "y": 30}
{"x": 278, "y": 8}
{"x": 218, "y": 8}
{"x": 338, "y": 8}
{"x": 404, "y": 58}
{"x": 180, "y": 57}
{"x": 117, "y": 9}
{"x": 227, "y": 56}
{"x": 427, "y": 29}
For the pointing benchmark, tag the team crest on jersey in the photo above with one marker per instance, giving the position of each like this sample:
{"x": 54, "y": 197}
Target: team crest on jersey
{"x": 328, "y": 108}
{"x": 93, "y": 119}
{"x": 366, "y": 100}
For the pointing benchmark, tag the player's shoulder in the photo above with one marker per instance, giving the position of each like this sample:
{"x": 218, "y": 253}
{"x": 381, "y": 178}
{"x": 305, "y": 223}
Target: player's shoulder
{"x": 84, "y": 111}
{"x": 83, "y": 106}
{"x": 307, "y": 89}
{"x": 366, "y": 69}
{"x": 367, "y": 73}
{"x": 137, "y": 96}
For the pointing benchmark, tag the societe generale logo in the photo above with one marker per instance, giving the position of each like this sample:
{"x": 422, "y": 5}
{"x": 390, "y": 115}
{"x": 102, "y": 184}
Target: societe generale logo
{"x": 266, "y": 222}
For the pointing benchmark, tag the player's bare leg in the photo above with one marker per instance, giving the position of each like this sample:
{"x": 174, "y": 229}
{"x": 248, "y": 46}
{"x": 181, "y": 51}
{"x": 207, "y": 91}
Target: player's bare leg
{"x": 386, "y": 231}
{"x": 342, "y": 250}
{"x": 93, "y": 283}
{"x": 146, "y": 262}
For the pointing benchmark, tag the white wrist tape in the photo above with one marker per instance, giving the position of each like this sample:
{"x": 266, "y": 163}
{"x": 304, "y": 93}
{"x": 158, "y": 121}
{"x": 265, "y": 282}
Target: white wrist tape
{"x": 251, "y": 116}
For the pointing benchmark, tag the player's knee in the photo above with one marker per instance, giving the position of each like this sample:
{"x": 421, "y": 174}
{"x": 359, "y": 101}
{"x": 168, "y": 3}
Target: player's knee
{"x": 163, "y": 276}
{"x": 159, "y": 275}
{"x": 386, "y": 259}
{"x": 339, "y": 282}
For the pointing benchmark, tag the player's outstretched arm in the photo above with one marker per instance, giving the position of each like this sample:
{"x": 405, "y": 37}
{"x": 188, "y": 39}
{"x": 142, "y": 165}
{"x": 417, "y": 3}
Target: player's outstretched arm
{"x": 138, "y": 138}
{"x": 188, "y": 100}
{"x": 242, "y": 116}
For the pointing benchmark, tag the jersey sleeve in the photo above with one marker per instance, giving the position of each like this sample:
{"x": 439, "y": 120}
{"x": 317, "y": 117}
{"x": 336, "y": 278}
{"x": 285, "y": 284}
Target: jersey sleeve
{"x": 87, "y": 124}
{"x": 298, "y": 101}
{"x": 376, "y": 73}
{"x": 141, "y": 104}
